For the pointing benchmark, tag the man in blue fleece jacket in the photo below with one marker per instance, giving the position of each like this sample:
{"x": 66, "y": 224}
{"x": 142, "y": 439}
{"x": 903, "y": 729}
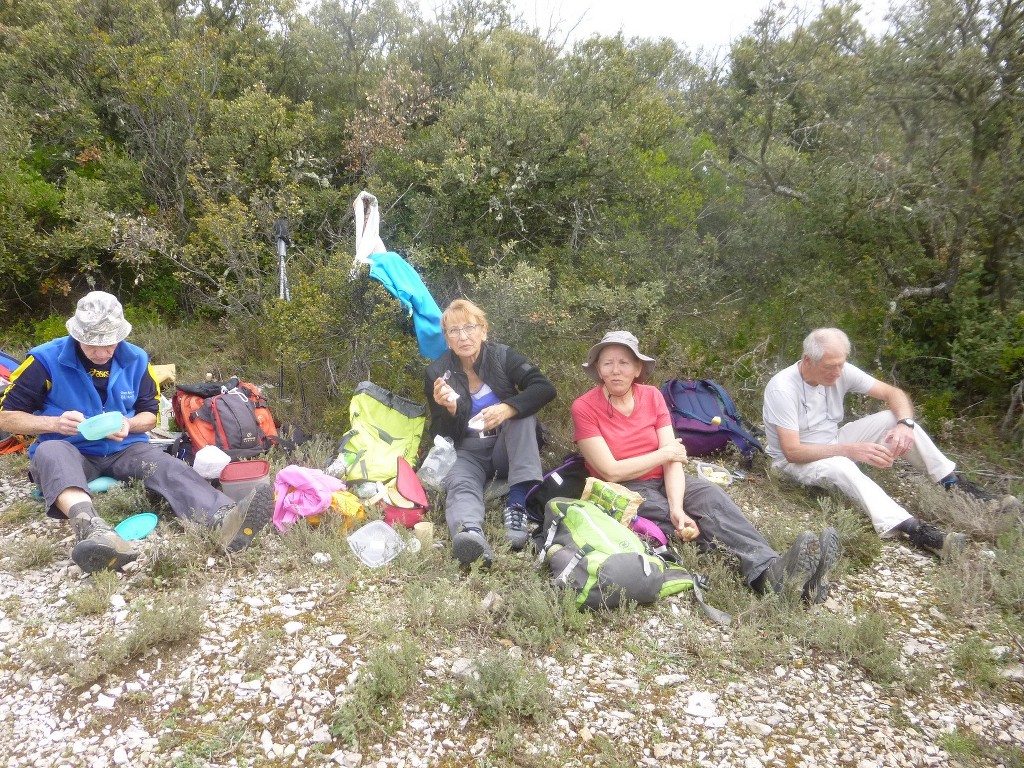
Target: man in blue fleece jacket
{"x": 91, "y": 371}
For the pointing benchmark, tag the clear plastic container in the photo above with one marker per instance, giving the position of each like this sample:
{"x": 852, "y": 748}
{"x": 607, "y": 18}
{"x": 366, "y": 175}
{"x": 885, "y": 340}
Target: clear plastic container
{"x": 376, "y": 543}
{"x": 438, "y": 463}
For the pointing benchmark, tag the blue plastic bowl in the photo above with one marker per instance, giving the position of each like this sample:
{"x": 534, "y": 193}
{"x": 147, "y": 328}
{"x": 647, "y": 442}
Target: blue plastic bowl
{"x": 137, "y": 526}
{"x": 98, "y": 427}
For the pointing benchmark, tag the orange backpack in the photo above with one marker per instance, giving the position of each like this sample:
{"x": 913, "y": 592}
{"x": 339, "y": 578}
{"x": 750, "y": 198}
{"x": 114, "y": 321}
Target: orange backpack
{"x": 11, "y": 443}
{"x": 231, "y": 415}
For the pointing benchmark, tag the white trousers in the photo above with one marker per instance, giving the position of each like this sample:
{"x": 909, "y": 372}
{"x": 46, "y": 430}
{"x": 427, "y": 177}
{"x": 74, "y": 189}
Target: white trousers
{"x": 845, "y": 476}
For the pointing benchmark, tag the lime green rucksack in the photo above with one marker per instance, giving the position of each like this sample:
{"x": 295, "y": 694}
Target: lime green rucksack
{"x": 606, "y": 563}
{"x": 384, "y": 426}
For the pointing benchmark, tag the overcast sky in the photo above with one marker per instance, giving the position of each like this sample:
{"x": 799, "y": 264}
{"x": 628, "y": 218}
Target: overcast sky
{"x": 709, "y": 24}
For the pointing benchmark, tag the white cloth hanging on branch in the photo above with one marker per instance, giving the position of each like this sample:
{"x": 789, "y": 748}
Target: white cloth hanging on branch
{"x": 368, "y": 241}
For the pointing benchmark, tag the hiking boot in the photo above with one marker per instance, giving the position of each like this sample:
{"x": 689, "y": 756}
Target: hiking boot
{"x": 967, "y": 488}
{"x": 469, "y": 545}
{"x": 797, "y": 564}
{"x": 927, "y": 536}
{"x": 240, "y": 524}
{"x": 515, "y": 527}
{"x": 815, "y": 590}
{"x": 99, "y": 548}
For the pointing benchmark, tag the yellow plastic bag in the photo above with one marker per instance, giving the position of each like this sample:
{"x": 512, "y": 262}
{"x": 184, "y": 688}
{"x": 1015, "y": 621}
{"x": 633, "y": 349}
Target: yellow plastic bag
{"x": 617, "y": 500}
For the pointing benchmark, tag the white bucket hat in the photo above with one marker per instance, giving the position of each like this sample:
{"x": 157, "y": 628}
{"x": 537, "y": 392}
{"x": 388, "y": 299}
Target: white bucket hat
{"x": 99, "y": 320}
{"x": 625, "y": 339}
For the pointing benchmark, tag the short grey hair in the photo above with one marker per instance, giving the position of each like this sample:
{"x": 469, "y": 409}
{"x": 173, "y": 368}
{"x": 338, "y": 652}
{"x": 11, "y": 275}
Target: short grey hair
{"x": 821, "y": 340}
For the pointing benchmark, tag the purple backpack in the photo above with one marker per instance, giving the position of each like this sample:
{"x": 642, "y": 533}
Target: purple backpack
{"x": 694, "y": 405}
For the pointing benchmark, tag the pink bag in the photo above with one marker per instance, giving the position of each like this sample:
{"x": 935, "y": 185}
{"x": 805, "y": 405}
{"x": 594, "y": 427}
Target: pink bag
{"x": 645, "y": 529}
{"x": 302, "y": 492}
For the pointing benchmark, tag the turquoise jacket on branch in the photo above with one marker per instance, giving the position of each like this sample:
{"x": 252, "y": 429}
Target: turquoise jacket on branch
{"x": 405, "y": 284}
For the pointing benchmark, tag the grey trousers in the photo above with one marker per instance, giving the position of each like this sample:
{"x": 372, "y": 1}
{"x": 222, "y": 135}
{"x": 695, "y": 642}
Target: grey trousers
{"x": 512, "y": 453}
{"x": 57, "y": 465}
{"x": 720, "y": 521}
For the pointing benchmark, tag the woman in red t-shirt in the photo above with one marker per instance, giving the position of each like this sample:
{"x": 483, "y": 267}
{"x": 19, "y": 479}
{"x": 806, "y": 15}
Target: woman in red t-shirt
{"x": 624, "y": 431}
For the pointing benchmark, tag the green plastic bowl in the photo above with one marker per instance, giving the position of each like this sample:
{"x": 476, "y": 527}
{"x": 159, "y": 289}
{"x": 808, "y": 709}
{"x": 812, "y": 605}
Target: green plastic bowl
{"x": 137, "y": 526}
{"x": 102, "y": 425}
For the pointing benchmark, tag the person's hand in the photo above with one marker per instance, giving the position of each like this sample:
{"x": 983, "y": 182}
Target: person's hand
{"x": 122, "y": 433}
{"x": 442, "y": 391}
{"x": 494, "y": 416}
{"x": 674, "y": 451}
{"x": 67, "y": 422}
{"x": 875, "y": 454}
{"x": 900, "y": 439}
{"x": 686, "y": 526}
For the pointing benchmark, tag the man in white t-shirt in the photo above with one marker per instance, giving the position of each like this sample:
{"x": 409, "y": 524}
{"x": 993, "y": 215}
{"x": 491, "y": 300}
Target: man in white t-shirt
{"x": 803, "y": 410}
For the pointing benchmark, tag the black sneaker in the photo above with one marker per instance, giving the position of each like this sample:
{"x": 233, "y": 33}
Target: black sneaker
{"x": 815, "y": 590}
{"x": 240, "y": 524}
{"x": 796, "y": 564}
{"x": 99, "y": 548}
{"x": 515, "y": 527}
{"x": 469, "y": 545}
{"x": 967, "y": 488}
{"x": 927, "y": 536}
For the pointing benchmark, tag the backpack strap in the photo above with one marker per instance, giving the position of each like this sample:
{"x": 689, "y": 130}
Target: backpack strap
{"x": 699, "y": 581}
{"x": 719, "y": 617}
{"x": 549, "y": 538}
{"x": 563, "y": 577}
{"x": 730, "y": 408}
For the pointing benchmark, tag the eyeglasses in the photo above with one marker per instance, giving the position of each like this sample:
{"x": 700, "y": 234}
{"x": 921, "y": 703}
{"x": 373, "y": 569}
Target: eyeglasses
{"x": 469, "y": 330}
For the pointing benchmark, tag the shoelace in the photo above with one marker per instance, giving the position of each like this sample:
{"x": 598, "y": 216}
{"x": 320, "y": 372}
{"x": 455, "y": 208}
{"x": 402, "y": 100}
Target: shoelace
{"x": 515, "y": 518}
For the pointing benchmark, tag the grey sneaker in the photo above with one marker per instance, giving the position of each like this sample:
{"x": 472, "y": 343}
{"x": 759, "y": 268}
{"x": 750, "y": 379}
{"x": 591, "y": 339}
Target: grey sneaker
{"x": 99, "y": 548}
{"x": 240, "y": 524}
{"x": 927, "y": 536}
{"x": 797, "y": 564}
{"x": 815, "y": 590}
{"x": 469, "y": 545}
{"x": 515, "y": 527}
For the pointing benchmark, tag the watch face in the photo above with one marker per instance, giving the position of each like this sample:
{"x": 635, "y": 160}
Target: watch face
{"x": 909, "y": 422}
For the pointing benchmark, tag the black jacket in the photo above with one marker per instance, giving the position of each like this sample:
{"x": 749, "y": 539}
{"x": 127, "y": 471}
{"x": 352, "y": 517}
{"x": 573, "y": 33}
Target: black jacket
{"x": 508, "y": 374}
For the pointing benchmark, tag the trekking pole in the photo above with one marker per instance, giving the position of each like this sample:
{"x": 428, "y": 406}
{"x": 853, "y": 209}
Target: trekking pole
{"x": 284, "y": 291}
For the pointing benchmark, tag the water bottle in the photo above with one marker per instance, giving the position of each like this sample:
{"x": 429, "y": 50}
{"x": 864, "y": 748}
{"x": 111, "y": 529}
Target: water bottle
{"x": 438, "y": 462}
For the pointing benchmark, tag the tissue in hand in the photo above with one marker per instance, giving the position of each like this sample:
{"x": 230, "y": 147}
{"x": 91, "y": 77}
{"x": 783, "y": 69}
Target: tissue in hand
{"x": 477, "y": 423}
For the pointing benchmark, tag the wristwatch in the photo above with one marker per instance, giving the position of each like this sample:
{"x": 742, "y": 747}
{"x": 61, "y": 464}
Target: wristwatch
{"x": 909, "y": 422}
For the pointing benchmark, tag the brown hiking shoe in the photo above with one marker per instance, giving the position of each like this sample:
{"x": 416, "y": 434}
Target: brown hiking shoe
{"x": 797, "y": 564}
{"x": 99, "y": 548}
{"x": 815, "y": 590}
{"x": 240, "y": 524}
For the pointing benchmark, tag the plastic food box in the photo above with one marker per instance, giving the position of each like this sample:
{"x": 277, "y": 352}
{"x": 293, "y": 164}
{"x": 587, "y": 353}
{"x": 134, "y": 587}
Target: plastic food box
{"x": 238, "y": 478}
{"x": 98, "y": 427}
{"x": 716, "y": 473}
{"x": 376, "y": 543}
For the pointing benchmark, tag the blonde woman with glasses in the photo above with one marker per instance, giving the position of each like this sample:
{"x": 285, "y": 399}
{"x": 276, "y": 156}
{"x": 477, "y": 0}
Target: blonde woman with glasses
{"x": 484, "y": 397}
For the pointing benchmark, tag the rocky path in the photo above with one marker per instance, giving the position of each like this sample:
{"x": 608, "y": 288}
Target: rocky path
{"x": 278, "y": 647}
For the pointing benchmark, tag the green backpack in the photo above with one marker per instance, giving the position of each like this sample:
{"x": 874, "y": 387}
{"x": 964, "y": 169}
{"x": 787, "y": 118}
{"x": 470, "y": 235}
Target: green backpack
{"x": 384, "y": 426}
{"x": 606, "y": 563}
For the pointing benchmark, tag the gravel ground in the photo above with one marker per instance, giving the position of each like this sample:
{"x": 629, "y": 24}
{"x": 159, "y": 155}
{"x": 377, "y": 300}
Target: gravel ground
{"x": 617, "y": 703}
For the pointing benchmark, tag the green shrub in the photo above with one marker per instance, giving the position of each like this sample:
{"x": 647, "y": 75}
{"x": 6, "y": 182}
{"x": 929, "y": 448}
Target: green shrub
{"x": 504, "y": 688}
{"x": 368, "y": 706}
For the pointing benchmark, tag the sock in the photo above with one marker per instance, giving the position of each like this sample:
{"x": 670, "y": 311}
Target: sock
{"x": 517, "y": 494}
{"x": 82, "y": 508}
